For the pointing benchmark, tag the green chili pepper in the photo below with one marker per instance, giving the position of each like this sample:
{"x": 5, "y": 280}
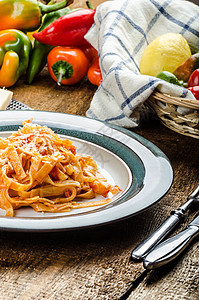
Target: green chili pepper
{"x": 40, "y": 51}
{"x": 169, "y": 77}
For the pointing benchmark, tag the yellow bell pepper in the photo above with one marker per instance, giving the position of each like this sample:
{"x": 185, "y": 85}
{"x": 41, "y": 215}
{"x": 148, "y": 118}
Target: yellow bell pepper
{"x": 15, "y": 49}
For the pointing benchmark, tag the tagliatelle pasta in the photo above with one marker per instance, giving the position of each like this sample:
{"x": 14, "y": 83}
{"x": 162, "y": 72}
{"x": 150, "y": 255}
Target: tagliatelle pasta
{"x": 41, "y": 170}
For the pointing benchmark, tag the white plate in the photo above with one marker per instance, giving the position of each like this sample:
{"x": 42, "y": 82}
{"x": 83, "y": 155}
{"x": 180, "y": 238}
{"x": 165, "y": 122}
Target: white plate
{"x": 137, "y": 166}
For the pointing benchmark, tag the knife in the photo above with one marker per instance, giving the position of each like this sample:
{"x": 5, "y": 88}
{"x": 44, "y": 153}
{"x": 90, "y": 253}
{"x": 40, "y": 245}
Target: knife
{"x": 169, "y": 224}
{"x": 168, "y": 250}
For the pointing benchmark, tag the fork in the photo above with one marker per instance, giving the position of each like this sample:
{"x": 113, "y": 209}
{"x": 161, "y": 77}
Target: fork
{"x": 163, "y": 230}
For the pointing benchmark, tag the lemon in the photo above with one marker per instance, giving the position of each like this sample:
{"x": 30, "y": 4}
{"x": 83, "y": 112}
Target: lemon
{"x": 165, "y": 53}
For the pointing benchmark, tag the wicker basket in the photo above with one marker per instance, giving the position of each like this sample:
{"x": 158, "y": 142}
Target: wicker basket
{"x": 167, "y": 109}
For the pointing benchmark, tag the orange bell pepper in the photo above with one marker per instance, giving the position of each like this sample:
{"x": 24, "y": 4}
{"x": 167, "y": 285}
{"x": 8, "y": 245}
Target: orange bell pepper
{"x": 67, "y": 66}
{"x": 25, "y": 15}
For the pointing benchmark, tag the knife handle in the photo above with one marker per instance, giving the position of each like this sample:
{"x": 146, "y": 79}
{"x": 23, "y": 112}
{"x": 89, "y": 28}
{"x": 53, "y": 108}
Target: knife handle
{"x": 170, "y": 249}
{"x": 139, "y": 252}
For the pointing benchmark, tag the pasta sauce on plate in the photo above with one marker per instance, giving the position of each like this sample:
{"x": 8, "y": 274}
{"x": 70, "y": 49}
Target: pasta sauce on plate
{"x": 42, "y": 170}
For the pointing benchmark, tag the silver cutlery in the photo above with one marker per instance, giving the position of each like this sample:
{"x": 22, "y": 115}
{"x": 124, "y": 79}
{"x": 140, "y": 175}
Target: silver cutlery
{"x": 168, "y": 250}
{"x": 163, "y": 230}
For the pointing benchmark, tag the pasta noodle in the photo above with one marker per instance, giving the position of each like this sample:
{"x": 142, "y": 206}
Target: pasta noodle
{"x": 41, "y": 170}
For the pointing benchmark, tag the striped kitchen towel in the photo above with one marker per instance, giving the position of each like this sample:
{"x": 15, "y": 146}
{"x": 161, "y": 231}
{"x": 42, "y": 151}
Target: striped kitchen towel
{"x": 121, "y": 32}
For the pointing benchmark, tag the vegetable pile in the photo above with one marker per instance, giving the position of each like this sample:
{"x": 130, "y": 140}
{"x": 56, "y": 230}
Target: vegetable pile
{"x": 169, "y": 57}
{"x": 58, "y": 34}
{"x": 186, "y": 75}
{"x": 58, "y": 41}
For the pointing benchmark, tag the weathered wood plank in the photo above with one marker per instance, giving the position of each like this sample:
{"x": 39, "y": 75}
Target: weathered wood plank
{"x": 46, "y": 95}
{"x": 179, "y": 280}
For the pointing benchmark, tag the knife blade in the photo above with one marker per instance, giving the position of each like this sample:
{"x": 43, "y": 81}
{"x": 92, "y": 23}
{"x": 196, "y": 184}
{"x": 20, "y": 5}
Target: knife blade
{"x": 165, "y": 228}
{"x": 168, "y": 250}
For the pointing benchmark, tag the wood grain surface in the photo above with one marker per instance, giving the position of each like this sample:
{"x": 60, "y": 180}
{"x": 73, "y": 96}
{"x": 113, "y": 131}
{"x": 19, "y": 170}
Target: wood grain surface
{"x": 94, "y": 263}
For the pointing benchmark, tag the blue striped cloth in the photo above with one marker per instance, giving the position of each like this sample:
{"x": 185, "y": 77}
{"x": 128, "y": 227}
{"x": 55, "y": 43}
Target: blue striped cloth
{"x": 121, "y": 32}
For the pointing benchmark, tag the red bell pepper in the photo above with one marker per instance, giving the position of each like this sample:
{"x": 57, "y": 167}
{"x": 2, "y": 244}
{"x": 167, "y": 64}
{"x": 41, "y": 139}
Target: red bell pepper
{"x": 68, "y": 30}
{"x": 194, "y": 79}
{"x": 195, "y": 91}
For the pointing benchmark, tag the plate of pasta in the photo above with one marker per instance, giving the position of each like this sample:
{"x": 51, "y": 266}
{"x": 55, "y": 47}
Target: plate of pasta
{"x": 63, "y": 172}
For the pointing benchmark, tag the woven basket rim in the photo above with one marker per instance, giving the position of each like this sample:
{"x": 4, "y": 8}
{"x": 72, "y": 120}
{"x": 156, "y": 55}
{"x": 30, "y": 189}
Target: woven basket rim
{"x": 183, "y": 102}
{"x": 166, "y": 107}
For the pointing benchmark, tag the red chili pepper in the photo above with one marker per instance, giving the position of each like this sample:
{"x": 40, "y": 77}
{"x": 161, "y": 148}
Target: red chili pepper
{"x": 94, "y": 73}
{"x": 68, "y": 30}
{"x": 195, "y": 91}
{"x": 194, "y": 79}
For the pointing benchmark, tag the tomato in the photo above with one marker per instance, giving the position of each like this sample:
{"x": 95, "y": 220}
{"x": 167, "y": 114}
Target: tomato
{"x": 194, "y": 78}
{"x": 94, "y": 73}
{"x": 67, "y": 66}
{"x": 90, "y": 53}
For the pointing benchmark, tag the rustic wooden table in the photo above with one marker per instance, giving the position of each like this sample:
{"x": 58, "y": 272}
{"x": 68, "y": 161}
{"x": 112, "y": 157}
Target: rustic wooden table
{"x": 94, "y": 263}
